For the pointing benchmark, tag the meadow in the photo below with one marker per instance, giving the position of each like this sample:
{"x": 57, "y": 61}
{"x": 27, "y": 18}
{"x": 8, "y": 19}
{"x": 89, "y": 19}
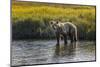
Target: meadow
{"x": 31, "y": 20}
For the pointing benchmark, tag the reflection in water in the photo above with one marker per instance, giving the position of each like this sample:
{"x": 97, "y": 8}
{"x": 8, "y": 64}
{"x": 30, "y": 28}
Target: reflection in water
{"x": 42, "y": 52}
{"x": 66, "y": 50}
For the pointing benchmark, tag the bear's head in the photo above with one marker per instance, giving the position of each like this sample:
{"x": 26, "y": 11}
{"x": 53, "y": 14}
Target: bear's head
{"x": 54, "y": 24}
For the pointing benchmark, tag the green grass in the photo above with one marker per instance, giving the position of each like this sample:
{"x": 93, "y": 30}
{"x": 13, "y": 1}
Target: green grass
{"x": 31, "y": 19}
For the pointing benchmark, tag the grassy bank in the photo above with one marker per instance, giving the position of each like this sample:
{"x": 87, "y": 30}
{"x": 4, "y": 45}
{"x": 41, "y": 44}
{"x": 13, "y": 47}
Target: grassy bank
{"x": 31, "y": 20}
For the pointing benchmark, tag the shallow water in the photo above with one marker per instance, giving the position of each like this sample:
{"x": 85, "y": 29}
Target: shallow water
{"x": 29, "y": 52}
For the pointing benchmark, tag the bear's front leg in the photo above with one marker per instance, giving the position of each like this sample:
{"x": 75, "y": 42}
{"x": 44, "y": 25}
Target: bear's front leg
{"x": 65, "y": 38}
{"x": 58, "y": 38}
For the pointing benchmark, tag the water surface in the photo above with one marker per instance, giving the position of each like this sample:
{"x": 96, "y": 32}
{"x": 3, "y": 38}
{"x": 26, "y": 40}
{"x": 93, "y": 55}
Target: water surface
{"x": 29, "y": 52}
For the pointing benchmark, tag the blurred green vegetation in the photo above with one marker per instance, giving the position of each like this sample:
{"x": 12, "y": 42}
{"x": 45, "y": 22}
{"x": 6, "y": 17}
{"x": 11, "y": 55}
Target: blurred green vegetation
{"x": 31, "y": 20}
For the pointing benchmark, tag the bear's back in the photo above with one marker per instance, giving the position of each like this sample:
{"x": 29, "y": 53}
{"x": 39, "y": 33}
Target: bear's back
{"x": 70, "y": 24}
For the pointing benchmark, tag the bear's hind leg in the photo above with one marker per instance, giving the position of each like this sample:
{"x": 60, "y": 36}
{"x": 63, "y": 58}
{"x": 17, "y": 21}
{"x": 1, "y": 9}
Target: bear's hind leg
{"x": 71, "y": 38}
{"x": 75, "y": 37}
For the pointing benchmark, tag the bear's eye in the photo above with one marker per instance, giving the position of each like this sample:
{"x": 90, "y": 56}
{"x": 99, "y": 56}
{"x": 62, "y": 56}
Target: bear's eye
{"x": 51, "y": 22}
{"x": 57, "y": 22}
